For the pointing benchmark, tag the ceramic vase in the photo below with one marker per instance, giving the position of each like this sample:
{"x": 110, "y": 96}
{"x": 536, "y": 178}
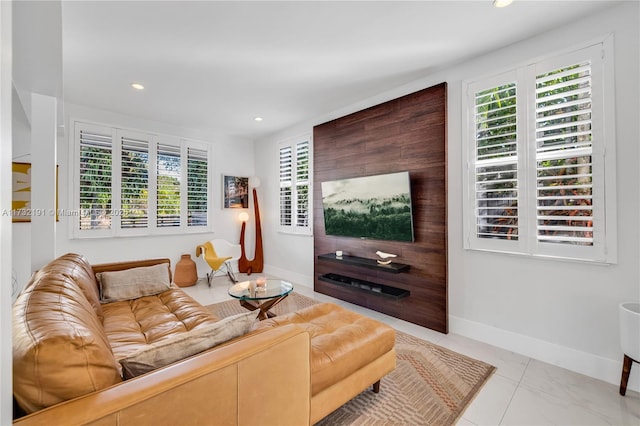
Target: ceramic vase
{"x": 186, "y": 272}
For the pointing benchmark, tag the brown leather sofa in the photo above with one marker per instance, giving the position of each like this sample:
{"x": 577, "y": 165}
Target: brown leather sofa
{"x": 293, "y": 369}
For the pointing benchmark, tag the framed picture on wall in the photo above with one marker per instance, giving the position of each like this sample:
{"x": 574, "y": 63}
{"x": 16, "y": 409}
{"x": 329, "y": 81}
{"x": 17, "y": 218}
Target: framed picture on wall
{"x": 21, "y": 209}
{"x": 235, "y": 192}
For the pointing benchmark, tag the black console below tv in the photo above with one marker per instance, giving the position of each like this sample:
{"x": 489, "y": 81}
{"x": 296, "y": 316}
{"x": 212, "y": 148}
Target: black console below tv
{"x": 365, "y": 286}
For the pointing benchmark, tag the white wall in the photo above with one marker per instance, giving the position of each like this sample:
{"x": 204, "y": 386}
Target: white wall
{"x": 564, "y": 313}
{"x": 6, "y": 255}
{"x": 21, "y": 231}
{"x": 231, "y": 156}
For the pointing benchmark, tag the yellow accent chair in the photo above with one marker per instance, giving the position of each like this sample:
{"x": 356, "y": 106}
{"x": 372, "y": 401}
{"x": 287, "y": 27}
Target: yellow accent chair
{"x": 219, "y": 254}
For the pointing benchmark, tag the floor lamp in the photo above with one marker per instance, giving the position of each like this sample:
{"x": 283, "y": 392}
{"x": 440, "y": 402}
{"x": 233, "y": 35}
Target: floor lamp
{"x": 257, "y": 263}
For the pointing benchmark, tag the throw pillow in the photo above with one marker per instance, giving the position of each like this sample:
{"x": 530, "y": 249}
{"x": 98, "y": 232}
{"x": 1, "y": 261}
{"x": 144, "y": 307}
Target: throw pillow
{"x": 133, "y": 283}
{"x": 184, "y": 345}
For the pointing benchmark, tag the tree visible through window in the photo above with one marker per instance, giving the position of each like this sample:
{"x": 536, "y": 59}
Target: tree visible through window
{"x": 134, "y": 197}
{"x": 168, "y": 173}
{"x": 95, "y": 179}
{"x": 497, "y": 162}
{"x": 197, "y": 187}
{"x": 563, "y": 156}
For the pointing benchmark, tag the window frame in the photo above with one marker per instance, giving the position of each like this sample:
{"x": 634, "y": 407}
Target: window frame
{"x": 292, "y": 144}
{"x": 153, "y": 139}
{"x": 604, "y": 248}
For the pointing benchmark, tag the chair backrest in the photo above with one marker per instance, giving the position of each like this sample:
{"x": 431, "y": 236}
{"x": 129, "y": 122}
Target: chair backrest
{"x": 224, "y": 248}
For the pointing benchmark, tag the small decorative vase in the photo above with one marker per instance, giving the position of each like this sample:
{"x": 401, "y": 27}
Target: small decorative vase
{"x": 186, "y": 272}
{"x": 261, "y": 284}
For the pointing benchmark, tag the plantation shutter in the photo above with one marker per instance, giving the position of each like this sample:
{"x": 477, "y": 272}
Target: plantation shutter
{"x": 286, "y": 185}
{"x": 134, "y": 193}
{"x": 496, "y": 162}
{"x": 197, "y": 187}
{"x": 128, "y": 182}
{"x": 549, "y": 184}
{"x": 302, "y": 184}
{"x": 168, "y": 185}
{"x": 95, "y": 180}
{"x": 295, "y": 185}
{"x": 564, "y": 172}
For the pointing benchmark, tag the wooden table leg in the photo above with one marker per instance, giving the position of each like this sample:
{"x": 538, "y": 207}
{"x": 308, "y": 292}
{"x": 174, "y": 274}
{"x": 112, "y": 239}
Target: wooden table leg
{"x": 263, "y": 306}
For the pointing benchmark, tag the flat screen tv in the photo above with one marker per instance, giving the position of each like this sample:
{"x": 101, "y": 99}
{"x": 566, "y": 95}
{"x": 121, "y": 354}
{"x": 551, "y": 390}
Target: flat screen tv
{"x": 373, "y": 207}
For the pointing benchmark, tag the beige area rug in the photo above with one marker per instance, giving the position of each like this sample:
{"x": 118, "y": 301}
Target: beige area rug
{"x": 431, "y": 385}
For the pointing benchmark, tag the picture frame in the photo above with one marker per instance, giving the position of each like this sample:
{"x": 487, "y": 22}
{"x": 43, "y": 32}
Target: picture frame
{"x": 235, "y": 192}
{"x": 21, "y": 209}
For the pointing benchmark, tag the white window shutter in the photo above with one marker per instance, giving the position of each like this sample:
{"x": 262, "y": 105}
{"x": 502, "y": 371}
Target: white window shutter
{"x": 197, "y": 187}
{"x": 286, "y": 185}
{"x": 95, "y": 150}
{"x": 564, "y": 173}
{"x": 134, "y": 180}
{"x": 168, "y": 172}
{"x": 302, "y": 185}
{"x": 295, "y": 185}
{"x": 574, "y": 218}
{"x": 496, "y": 162}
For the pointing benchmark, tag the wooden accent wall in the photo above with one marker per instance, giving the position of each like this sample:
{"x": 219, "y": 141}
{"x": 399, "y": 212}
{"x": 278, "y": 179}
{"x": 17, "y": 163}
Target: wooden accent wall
{"x": 405, "y": 134}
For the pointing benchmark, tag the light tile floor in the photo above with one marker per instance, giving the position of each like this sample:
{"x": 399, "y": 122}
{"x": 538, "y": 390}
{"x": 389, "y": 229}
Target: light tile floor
{"x": 522, "y": 391}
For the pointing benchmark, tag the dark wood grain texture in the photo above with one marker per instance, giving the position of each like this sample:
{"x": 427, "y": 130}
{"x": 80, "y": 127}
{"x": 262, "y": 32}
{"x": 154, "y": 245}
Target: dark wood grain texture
{"x": 404, "y": 134}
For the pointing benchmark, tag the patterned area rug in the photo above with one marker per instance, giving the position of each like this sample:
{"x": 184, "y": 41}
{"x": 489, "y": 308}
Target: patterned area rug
{"x": 431, "y": 385}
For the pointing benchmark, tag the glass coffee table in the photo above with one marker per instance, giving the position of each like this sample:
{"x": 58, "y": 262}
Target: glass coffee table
{"x": 252, "y": 296}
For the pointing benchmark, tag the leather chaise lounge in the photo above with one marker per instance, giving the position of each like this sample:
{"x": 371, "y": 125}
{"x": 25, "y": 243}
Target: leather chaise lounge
{"x": 69, "y": 343}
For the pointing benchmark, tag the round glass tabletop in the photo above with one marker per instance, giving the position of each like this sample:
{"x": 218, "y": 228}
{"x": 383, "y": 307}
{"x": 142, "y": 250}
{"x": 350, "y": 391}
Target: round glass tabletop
{"x": 249, "y": 290}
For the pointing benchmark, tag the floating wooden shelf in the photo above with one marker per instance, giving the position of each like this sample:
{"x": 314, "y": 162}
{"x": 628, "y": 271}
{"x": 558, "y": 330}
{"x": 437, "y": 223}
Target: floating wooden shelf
{"x": 392, "y": 267}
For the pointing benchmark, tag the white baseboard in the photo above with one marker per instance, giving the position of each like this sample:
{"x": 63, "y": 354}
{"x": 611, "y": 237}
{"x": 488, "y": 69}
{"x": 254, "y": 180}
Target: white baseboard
{"x": 585, "y": 363}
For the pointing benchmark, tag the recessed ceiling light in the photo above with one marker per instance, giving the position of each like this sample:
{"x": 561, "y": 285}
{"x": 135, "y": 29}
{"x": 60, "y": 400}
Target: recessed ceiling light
{"x": 257, "y": 118}
{"x": 502, "y": 3}
{"x": 137, "y": 86}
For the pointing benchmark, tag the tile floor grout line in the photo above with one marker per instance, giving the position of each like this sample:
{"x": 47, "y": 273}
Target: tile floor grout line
{"x": 514, "y": 392}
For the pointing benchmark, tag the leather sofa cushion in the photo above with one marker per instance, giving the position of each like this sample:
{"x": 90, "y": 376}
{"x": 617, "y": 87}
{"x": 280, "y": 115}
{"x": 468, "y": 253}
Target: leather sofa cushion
{"x": 186, "y": 344}
{"x": 133, "y": 283}
{"x": 60, "y": 350}
{"x": 342, "y": 341}
{"x": 78, "y": 268}
{"x": 131, "y": 324}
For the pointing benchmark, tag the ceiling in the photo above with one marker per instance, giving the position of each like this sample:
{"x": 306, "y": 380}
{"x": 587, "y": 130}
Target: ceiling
{"x": 214, "y": 66}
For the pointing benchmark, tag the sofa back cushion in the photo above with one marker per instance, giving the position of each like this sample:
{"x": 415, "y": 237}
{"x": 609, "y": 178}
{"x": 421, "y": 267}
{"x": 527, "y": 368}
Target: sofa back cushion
{"x": 60, "y": 350}
{"x": 78, "y": 268}
{"x": 133, "y": 283}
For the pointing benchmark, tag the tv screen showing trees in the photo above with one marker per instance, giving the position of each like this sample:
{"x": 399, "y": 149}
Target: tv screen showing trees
{"x": 374, "y": 207}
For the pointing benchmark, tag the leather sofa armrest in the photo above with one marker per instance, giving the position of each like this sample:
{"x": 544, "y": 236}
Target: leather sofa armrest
{"x": 263, "y": 378}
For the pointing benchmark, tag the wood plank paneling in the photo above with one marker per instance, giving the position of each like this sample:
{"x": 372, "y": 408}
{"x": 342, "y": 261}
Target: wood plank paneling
{"x": 404, "y": 134}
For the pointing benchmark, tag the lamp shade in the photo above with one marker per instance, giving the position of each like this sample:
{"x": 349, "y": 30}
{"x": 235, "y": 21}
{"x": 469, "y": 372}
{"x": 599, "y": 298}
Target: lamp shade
{"x": 254, "y": 182}
{"x": 244, "y": 216}
{"x": 502, "y": 3}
